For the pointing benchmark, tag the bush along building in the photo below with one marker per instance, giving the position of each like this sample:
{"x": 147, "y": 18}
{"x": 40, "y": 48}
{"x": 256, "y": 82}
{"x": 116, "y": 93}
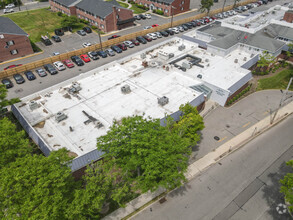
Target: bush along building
{"x": 107, "y": 16}
{"x": 168, "y": 7}
{"x": 14, "y": 42}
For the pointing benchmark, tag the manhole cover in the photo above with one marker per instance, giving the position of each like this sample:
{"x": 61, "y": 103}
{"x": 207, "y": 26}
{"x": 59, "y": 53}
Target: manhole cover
{"x": 227, "y": 126}
{"x": 216, "y": 138}
{"x": 240, "y": 114}
{"x": 79, "y": 69}
{"x": 18, "y": 90}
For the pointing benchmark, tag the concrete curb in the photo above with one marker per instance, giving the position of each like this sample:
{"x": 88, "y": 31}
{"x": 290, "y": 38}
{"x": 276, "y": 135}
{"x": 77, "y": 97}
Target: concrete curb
{"x": 21, "y": 58}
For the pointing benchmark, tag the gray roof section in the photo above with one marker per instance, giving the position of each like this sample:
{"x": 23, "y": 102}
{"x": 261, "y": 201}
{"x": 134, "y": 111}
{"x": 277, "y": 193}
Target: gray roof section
{"x": 216, "y": 30}
{"x": 98, "y": 7}
{"x": 165, "y": 1}
{"x": 85, "y": 159}
{"x": 67, "y": 3}
{"x": 279, "y": 30}
{"x": 7, "y": 26}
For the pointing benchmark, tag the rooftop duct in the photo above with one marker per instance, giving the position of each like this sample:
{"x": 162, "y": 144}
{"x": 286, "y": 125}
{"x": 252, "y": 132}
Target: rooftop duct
{"x": 163, "y": 100}
{"x": 60, "y": 116}
{"x": 33, "y": 105}
{"x": 125, "y": 89}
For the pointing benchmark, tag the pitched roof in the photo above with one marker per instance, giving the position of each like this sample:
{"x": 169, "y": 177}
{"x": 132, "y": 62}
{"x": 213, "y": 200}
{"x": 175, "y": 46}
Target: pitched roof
{"x": 98, "y": 7}
{"x": 66, "y": 3}
{"x": 7, "y": 26}
{"x": 165, "y": 1}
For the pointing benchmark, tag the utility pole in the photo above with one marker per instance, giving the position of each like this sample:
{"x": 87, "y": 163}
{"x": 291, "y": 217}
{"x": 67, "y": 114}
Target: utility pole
{"x": 282, "y": 100}
{"x": 224, "y": 5}
{"x": 101, "y": 46}
{"x": 172, "y": 13}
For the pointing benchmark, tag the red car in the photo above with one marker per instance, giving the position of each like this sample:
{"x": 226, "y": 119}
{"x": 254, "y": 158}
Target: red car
{"x": 12, "y": 66}
{"x": 135, "y": 42}
{"x": 113, "y": 36}
{"x": 155, "y": 25}
{"x": 85, "y": 58}
{"x": 122, "y": 46}
{"x": 68, "y": 63}
{"x": 147, "y": 38}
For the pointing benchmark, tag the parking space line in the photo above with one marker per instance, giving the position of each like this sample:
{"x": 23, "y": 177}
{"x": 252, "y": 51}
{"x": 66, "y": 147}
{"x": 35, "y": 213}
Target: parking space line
{"x": 246, "y": 124}
{"x": 222, "y": 139}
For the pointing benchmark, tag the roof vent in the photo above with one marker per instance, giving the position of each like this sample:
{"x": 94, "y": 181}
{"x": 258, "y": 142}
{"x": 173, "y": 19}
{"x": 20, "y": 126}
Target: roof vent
{"x": 244, "y": 59}
{"x": 74, "y": 88}
{"x": 171, "y": 55}
{"x": 33, "y": 105}
{"x": 163, "y": 100}
{"x": 186, "y": 65}
{"x": 236, "y": 61}
{"x": 181, "y": 47}
{"x": 199, "y": 76}
{"x": 252, "y": 55}
{"x": 60, "y": 116}
{"x": 125, "y": 89}
{"x": 143, "y": 56}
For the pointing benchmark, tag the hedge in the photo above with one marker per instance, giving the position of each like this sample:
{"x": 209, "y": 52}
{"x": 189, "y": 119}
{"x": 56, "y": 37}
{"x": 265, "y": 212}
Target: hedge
{"x": 159, "y": 12}
{"x": 235, "y": 98}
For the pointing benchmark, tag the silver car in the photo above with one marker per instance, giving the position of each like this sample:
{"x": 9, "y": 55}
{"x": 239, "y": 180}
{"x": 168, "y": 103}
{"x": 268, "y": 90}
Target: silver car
{"x": 128, "y": 44}
{"x": 159, "y": 35}
{"x": 110, "y": 52}
{"x": 41, "y": 72}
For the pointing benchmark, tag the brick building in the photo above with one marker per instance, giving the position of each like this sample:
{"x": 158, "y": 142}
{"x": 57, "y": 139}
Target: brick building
{"x": 169, "y": 7}
{"x": 14, "y": 42}
{"x": 107, "y": 16}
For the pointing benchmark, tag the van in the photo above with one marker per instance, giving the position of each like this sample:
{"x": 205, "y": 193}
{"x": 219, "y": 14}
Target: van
{"x": 46, "y": 40}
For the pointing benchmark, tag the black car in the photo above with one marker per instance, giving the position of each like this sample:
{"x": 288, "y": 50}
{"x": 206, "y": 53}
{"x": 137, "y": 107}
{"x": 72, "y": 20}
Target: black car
{"x": 87, "y": 30}
{"x": 184, "y": 27}
{"x": 94, "y": 55}
{"x": 164, "y": 33}
{"x": 51, "y": 69}
{"x": 18, "y": 78}
{"x": 56, "y": 38}
{"x": 170, "y": 32}
{"x": 7, "y": 83}
{"x": 194, "y": 24}
{"x": 137, "y": 17}
{"x": 142, "y": 16}
{"x": 141, "y": 40}
{"x": 29, "y": 75}
{"x": 116, "y": 49}
{"x": 102, "y": 54}
{"x": 81, "y": 32}
{"x": 189, "y": 25}
{"x": 77, "y": 60}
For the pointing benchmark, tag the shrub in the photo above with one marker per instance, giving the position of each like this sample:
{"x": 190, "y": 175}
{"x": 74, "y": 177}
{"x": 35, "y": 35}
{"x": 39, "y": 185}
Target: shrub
{"x": 159, "y": 12}
{"x": 59, "y": 13}
{"x": 35, "y": 47}
{"x": 94, "y": 28}
{"x": 84, "y": 21}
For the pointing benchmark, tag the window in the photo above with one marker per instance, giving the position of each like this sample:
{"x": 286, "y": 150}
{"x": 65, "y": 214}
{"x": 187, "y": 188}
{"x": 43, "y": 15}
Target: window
{"x": 9, "y": 43}
{"x": 182, "y": 9}
{"x": 13, "y": 52}
{"x": 117, "y": 16}
{"x": 166, "y": 10}
{"x": 182, "y": 2}
{"x": 102, "y": 26}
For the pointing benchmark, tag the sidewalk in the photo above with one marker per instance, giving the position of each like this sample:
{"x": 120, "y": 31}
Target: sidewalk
{"x": 211, "y": 158}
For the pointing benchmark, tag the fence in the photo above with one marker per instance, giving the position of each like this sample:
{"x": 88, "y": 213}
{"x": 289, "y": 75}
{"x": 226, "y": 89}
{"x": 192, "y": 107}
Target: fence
{"x": 39, "y": 63}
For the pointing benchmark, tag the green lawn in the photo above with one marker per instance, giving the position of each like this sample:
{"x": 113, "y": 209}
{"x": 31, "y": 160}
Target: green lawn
{"x": 122, "y": 4}
{"x": 137, "y": 10}
{"x": 37, "y": 22}
{"x": 279, "y": 81}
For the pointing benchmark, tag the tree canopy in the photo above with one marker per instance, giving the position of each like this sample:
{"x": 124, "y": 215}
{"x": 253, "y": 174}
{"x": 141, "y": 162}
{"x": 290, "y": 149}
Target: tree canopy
{"x": 69, "y": 21}
{"x": 205, "y": 5}
{"x": 265, "y": 59}
{"x": 287, "y": 186}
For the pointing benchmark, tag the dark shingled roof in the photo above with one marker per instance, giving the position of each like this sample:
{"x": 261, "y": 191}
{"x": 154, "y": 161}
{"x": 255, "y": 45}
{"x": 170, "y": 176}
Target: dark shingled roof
{"x": 7, "y": 26}
{"x": 98, "y": 7}
{"x": 66, "y": 3}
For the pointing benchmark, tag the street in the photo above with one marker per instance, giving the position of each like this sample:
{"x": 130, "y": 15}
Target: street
{"x": 243, "y": 185}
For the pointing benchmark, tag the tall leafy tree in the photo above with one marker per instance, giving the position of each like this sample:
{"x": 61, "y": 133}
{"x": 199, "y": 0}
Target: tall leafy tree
{"x": 146, "y": 154}
{"x": 265, "y": 59}
{"x": 70, "y": 21}
{"x": 13, "y": 143}
{"x": 287, "y": 186}
{"x": 36, "y": 187}
{"x": 290, "y": 50}
{"x": 205, "y": 5}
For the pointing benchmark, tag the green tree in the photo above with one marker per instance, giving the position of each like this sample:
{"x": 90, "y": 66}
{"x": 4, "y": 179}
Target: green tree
{"x": 189, "y": 124}
{"x": 290, "y": 50}
{"x": 13, "y": 143}
{"x": 287, "y": 186}
{"x": 205, "y": 5}
{"x": 265, "y": 59}
{"x": 70, "y": 21}
{"x": 36, "y": 187}
{"x": 3, "y": 98}
{"x": 146, "y": 154}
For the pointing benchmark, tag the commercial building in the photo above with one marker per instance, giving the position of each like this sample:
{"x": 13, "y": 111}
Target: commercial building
{"x": 106, "y": 15}
{"x": 169, "y": 7}
{"x": 14, "y": 42}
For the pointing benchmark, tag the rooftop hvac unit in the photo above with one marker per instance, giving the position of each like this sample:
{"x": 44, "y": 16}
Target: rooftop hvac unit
{"x": 163, "y": 55}
{"x": 153, "y": 64}
{"x": 163, "y": 100}
{"x": 181, "y": 47}
{"x": 60, "y": 116}
{"x": 186, "y": 65}
{"x": 236, "y": 61}
{"x": 125, "y": 89}
{"x": 171, "y": 55}
{"x": 143, "y": 56}
{"x": 252, "y": 55}
{"x": 33, "y": 105}
{"x": 74, "y": 88}
{"x": 244, "y": 59}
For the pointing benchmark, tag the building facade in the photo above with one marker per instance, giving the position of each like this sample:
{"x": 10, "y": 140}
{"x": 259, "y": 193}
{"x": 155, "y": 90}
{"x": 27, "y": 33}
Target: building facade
{"x": 14, "y": 42}
{"x": 169, "y": 7}
{"x": 107, "y": 16}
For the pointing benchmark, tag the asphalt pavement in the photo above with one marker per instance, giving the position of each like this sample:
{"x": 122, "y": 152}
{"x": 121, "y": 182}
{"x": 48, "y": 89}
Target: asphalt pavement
{"x": 244, "y": 185}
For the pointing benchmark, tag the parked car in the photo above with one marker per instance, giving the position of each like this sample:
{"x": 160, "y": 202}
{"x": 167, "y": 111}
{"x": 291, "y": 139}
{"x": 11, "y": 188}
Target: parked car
{"x": 86, "y": 44}
{"x": 158, "y": 34}
{"x": 149, "y": 39}
{"x": 148, "y": 16}
{"x": 59, "y": 65}
{"x": 85, "y": 58}
{"x": 94, "y": 55}
{"x": 18, "y": 78}
{"x": 116, "y": 49}
{"x": 135, "y": 42}
{"x": 68, "y": 63}
{"x": 170, "y": 32}
{"x": 9, "y": 10}
{"x": 147, "y": 27}
{"x": 152, "y": 36}
{"x": 56, "y": 38}
{"x": 50, "y": 69}
{"x": 155, "y": 25}
{"x": 137, "y": 17}
{"x": 102, "y": 54}
{"x": 110, "y": 52}
{"x": 10, "y": 5}
{"x": 141, "y": 40}
{"x": 77, "y": 60}
{"x": 56, "y": 53}
{"x": 185, "y": 27}
{"x": 164, "y": 33}
{"x": 142, "y": 16}
{"x": 87, "y": 30}
{"x": 122, "y": 46}
{"x": 194, "y": 24}
{"x": 7, "y": 83}
{"x": 128, "y": 44}
{"x": 41, "y": 72}
{"x": 175, "y": 30}
{"x": 12, "y": 66}
{"x": 245, "y": 8}
{"x": 113, "y": 36}
{"x": 81, "y": 32}
{"x": 238, "y": 9}
{"x": 29, "y": 75}
{"x": 191, "y": 26}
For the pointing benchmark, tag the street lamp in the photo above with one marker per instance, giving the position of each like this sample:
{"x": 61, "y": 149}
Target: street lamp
{"x": 172, "y": 7}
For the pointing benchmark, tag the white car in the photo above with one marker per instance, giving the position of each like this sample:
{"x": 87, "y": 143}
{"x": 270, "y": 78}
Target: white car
{"x": 9, "y": 6}
{"x": 230, "y": 13}
{"x": 147, "y": 27}
{"x": 176, "y": 30}
{"x": 56, "y": 53}
{"x": 152, "y": 36}
{"x": 86, "y": 44}
{"x": 59, "y": 65}
{"x": 159, "y": 35}
{"x": 148, "y": 16}
{"x": 180, "y": 28}
{"x": 128, "y": 44}
{"x": 225, "y": 14}
{"x": 8, "y": 11}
